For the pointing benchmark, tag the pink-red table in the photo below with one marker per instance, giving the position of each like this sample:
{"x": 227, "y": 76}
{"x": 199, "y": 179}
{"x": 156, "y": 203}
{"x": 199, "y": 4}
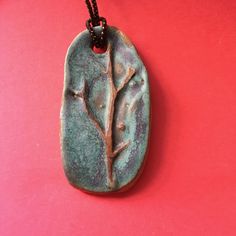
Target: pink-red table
{"x": 188, "y": 184}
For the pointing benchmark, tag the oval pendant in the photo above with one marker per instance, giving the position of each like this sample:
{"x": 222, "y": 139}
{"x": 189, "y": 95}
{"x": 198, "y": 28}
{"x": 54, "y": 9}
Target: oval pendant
{"x": 104, "y": 115}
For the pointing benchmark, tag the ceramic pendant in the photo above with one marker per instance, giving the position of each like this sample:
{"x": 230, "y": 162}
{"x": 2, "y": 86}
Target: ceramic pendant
{"x": 104, "y": 115}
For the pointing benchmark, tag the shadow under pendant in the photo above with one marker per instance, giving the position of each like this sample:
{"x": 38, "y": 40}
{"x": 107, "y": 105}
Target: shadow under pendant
{"x": 105, "y": 114}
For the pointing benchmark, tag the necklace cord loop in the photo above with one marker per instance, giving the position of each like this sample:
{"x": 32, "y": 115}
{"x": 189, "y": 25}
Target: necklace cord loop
{"x": 98, "y": 39}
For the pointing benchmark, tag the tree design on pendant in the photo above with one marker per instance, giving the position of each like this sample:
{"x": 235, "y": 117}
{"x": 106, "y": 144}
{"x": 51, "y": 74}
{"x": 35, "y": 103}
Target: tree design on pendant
{"x": 106, "y": 135}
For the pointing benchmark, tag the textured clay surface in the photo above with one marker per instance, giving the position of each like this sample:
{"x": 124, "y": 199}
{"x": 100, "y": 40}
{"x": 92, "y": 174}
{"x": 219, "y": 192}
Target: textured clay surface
{"x": 104, "y": 115}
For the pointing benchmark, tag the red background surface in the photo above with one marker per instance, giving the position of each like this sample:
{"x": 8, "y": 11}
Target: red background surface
{"x": 188, "y": 185}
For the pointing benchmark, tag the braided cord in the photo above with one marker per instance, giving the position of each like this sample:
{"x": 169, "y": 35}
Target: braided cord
{"x": 98, "y": 40}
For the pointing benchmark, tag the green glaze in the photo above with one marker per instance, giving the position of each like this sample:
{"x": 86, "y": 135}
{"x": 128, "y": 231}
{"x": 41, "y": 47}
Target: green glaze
{"x": 87, "y": 111}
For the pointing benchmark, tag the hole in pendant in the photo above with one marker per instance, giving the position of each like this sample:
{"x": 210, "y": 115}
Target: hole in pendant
{"x": 99, "y": 50}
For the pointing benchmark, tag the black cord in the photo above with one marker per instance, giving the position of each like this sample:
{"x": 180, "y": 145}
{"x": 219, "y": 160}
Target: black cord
{"x": 98, "y": 40}
{"x": 93, "y": 11}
